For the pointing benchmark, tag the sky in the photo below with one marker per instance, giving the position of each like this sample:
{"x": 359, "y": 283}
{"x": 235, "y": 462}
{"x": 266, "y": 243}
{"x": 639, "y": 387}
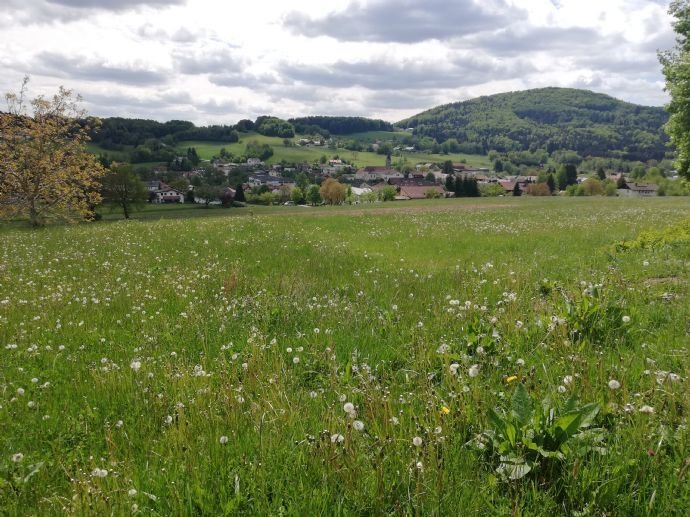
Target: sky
{"x": 216, "y": 62}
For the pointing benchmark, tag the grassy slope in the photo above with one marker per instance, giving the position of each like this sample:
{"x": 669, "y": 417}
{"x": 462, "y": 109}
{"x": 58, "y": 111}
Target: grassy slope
{"x": 216, "y": 310}
{"x": 310, "y": 154}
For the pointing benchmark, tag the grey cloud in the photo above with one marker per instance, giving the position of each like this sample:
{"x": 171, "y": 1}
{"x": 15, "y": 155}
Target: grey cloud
{"x": 511, "y": 42}
{"x": 27, "y": 12}
{"x": 181, "y": 35}
{"x": 407, "y": 21}
{"x": 220, "y": 61}
{"x": 57, "y": 65}
{"x": 114, "y": 5}
{"x": 383, "y": 75}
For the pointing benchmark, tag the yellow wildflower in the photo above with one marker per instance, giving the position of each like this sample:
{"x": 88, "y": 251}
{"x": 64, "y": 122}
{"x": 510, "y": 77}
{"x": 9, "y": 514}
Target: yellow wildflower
{"x": 444, "y": 410}
{"x": 512, "y": 378}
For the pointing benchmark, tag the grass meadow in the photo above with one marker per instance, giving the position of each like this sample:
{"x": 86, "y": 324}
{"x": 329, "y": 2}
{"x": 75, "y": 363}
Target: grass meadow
{"x": 457, "y": 357}
{"x": 297, "y": 154}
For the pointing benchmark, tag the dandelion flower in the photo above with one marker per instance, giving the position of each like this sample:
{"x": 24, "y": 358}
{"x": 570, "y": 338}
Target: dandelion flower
{"x": 99, "y": 473}
{"x": 295, "y": 360}
{"x": 445, "y": 410}
{"x": 417, "y": 441}
{"x": 132, "y": 492}
{"x": 626, "y": 319}
{"x": 18, "y": 457}
{"x": 512, "y": 378}
{"x": 135, "y": 365}
{"x": 223, "y": 440}
{"x": 614, "y": 384}
{"x": 349, "y": 407}
{"x": 337, "y": 438}
{"x": 647, "y": 409}
{"x": 358, "y": 425}
{"x": 454, "y": 368}
{"x": 473, "y": 371}
{"x": 567, "y": 380}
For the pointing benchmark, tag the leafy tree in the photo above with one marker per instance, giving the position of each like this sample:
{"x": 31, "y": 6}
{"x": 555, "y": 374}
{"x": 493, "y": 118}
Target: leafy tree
{"x": 517, "y": 191}
{"x": 430, "y": 177}
{"x": 450, "y": 183}
{"x": 256, "y": 150}
{"x": 123, "y": 188}
{"x": 313, "y": 195}
{"x": 302, "y": 181}
{"x": 498, "y": 166}
{"x": 387, "y": 193}
{"x": 461, "y": 187}
{"x": 551, "y": 183}
{"x": 333, "y": 192}
{"x": 621, "y": 183}
{"x": 45, "y": 170}
{"x": 239, "y": 194}
{"x": 448, "y": 167}
{"x": 297, "y": 196}
{"x": 601, "y": 174}
{"x": 676, "y": 68}
{"x": 208, "y": 193}
{"x": 244, "y": 126}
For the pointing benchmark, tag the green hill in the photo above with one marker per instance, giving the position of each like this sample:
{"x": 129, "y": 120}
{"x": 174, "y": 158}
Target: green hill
{"x": 549, "y": 119}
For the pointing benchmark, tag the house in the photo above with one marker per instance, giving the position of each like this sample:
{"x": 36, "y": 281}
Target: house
{"x": 159, "y": 192}
{"x": 254, "y": 162}
{"x": 260, "y": 179}
{"x": 421, "y": 192}
{"x": 358, "y": 193}
{"x": 638, "y": 190}
{"x": 377, "y": 174}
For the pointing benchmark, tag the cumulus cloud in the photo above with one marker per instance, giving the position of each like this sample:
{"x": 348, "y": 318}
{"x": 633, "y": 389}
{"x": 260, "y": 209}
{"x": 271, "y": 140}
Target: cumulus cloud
{"x": 96, "y": 69}
{"x": 27, "y": 12}
{"x": 407, "y": 21}
{"x": 209, "y": 61}
{"x": 384, "y": 74}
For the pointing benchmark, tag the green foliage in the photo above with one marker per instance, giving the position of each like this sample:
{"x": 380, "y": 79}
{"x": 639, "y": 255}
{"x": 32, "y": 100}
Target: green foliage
{"x": 659, "y": 238}
{"x": 676, "y": 68}
{"x": 549, "y": 119}
{"x": 339, "y": 125}
{"x": 255, "y": 149}
{"x": 273, "y": 126}
{"x": 529, "y": 437}
{"x": 122, "y": 188}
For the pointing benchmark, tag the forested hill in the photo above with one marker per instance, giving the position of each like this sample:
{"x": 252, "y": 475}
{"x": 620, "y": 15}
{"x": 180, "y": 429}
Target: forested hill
{"x": 591, "y": 124}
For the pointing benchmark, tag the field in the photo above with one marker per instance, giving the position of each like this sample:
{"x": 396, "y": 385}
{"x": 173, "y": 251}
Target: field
{"x": 391, "y": 360}
{"x": 297, "y": 154}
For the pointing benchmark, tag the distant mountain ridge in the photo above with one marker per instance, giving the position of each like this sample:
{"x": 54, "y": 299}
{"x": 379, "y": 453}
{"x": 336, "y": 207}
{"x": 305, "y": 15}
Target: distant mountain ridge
{"x": 550, "y": 119}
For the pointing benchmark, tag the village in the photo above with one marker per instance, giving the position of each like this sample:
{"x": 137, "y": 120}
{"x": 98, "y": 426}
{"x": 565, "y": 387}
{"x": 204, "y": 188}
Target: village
{"x": 288, "y": 183}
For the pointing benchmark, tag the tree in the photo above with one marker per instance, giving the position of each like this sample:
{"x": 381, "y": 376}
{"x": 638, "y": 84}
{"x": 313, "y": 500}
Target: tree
{"x": 121, "y": 187}
{"x": 239, "y": 194}
{"x": 313, "y": 195}
{"x": 516, "y": 190}
{"x": 676, "y": 68}
{"x": 45, "y": 170}
{"x": 601, "y": 174}
{"x": 448, "y": 167}
{"x": 551, "y": 183}
{"x": 302, "y": 181}
{"x": 297, "y": 196}
{"x": 208, "y": 193}
{"x": 333, "y": 192}
{"x": 450, "y": 183}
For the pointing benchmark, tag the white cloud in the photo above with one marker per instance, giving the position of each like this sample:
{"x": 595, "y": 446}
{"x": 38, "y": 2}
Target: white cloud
{"x": 216, "y": 62}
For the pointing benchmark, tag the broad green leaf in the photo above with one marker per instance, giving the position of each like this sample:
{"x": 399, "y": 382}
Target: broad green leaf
{"x": 522, "y": 405}
{"x": 511, "y": 433}
{"x": 497, "y": 422}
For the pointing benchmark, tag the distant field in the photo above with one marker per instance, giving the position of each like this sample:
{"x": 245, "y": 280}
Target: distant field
{"x": 443, "y": 357}
{"x": 312, "y": 154}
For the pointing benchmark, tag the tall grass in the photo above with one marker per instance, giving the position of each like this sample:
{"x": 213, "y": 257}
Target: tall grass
{"x": 207, "y": 366}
